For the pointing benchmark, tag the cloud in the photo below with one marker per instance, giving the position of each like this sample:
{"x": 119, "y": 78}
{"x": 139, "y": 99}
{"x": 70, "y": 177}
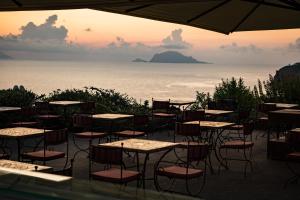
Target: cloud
{"x": 88, "y": 29}
{"x": 175, "y": 41}
{"x": 295, "y": 46}
{"x": 234, "y": 47}
{"x": 46, "y": 31}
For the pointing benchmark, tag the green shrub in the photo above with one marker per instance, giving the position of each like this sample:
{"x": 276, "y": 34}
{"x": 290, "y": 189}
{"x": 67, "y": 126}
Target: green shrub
{"x": 106, "y": 100}
{"x": 236, "y": 90}
{"x": 17, "y": 96}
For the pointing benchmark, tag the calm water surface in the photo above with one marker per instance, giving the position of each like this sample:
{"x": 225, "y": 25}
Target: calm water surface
{"x": 139, "y": 80}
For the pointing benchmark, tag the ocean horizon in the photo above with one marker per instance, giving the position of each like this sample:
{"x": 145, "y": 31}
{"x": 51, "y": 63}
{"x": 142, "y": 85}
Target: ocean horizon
{"x": 141, "y": 81}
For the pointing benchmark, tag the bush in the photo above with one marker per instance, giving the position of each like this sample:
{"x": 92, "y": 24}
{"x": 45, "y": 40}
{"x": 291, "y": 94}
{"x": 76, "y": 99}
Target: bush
{"x": 17, "y": 96}
{"x": 236, "y": 90}
{"x": 107, "y": 101}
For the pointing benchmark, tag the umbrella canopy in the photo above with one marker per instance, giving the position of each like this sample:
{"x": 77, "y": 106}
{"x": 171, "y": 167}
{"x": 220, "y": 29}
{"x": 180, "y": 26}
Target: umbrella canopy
{"x": 224, "y": 16}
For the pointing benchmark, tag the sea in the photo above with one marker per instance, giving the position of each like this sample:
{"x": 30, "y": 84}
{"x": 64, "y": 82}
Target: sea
{"x": 141, "y": 81}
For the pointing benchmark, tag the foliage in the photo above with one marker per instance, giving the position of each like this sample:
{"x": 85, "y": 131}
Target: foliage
{"x": 202, "y": 100}
{"x": 282, "y": 90}
{"x": 236, "y": 90}
{"x": 17, "y": 96}
{"x": 106, "y": 100}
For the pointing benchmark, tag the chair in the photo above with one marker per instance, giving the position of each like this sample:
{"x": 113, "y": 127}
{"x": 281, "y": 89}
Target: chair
{"x": 84, "y": 122}
{"x": 47, "y": 118}
{"x": 193, "y": 115}
{"x": 111, "y": 156}
{"x": 184, "y": 170}
{"x": 293, "y": 156}
{"x": 262, "y": 114}
{"x": 26, "y": 118}
{"x": 191, "y": 132}
{"x": 241, "y": 118}
{"x": 51, "y": 139}
{"x": 88, "y": 107}
{"x": 161, "y": 111}
{"x": 139, "y": 129}
{"x": 243, "y": 143}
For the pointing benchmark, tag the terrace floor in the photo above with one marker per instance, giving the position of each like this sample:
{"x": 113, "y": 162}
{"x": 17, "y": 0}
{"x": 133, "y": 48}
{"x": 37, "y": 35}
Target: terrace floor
{"x": 265, "y": 182}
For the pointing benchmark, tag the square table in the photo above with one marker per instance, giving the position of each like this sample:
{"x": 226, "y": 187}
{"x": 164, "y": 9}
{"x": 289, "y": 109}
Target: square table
{"x": 65, "y": 104}
{"x": 180, "y": 103}
{"x": 9, "y": 109}
{"x": 111, "y": 116}
{"x": 217, "y": 112}
{"x": 284, "y": 105}
{"x": 215, "y": 127}
{"x": 24, "y": 166}
{"x": 19, "y": 133}
{"x": 142, "y": 146}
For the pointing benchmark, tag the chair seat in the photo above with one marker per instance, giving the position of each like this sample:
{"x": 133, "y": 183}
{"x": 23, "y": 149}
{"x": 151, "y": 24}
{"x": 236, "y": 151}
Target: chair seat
{"x": 236, "y": 127}
{"x": 130, "y": 133}
{"x": 164, "y": 115}
{"x": 4, "y": 156}
{"x": 237, "y": 144}
{"x": 185, "y": 144}
{"x": 263, "y": 118}
{"x": 25, "y": 124}
{"x": 179, "y": 172}
{"x": 48, "y": 117}
{"x": 294, "y": 156}
{"x": 90, "y": 135}
{"x": 114, "y": 175}
{"x": 39, "y": 155}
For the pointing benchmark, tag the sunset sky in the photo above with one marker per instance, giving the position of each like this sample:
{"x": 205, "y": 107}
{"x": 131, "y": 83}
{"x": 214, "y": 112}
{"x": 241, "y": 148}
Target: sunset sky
{"x": 104, "y": 27}
{"x": 94, "y": 35}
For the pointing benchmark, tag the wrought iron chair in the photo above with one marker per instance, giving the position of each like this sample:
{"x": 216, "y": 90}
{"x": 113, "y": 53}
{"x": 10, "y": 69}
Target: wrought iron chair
{"x": 88, "y": 107}
{"x": 139, "y": 129}
{"x": 111, "y": 156}
{"x": 51, "y": 139}
{"x": 161, "y": 111}
{"x": 84, "y": 122}
{"x": 193, "y": 115}
{"x": 244, "y": 143}
{"x": 185, "y": 169}
{"x": 47, "y": 118}
{"x": 27, "y": 118}
{"x": 293, "y": 157}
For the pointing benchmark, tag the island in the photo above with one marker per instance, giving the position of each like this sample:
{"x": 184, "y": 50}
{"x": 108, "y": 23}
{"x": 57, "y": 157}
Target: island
{"x": 288, "y": 72}
{"x": 171, "y": 57}
{"x": 4, "y": 56}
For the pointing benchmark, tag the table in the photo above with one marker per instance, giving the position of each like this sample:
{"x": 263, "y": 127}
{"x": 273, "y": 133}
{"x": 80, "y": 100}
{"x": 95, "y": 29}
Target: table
{"x": 284, "y": 105}
{"x": 111, "y": 116}
{"x": 215, "y": 127}
{"x": 65, "y": 104}
{"x": 217, "y": 112}
{"x": 180, "y": 103}
{"x": 9, "y": 109}
{"x": 24, "y": 166}
{"x": 142, "y": 146}
{"x": 19, "y": 133}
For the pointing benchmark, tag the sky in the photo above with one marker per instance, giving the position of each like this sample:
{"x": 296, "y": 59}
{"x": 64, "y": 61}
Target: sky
{"x": 100, "y": 35}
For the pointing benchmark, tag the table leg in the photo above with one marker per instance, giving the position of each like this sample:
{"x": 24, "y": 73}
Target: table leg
{"x": 19, "y": 149}
{"x": 144, "y": 170}
{"x": 215, "y": 149}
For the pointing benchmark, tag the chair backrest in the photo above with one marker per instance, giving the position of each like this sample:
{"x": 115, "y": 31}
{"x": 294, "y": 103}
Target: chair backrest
{"x": 187, "y": 129}
{"x": 82, "y": 121}
{"x": 197, "y": 152}
{"x": 160, "y": 105}
{"x": 248, "y": 128}
{"x": 293, "y": 140}
{"x": 212, "y": 105}
{"x": 106, "y": 155}
{"x": 56, "y": 137}
{"x": 88, "y": 107}
{"x": 193, "y": 115}
{"x": 267, "y": 107}
{"x": 140, "y": 120}
{"x": 243, "y": 116}
{"x": 28, "y": 111}
{"x": 42, "y": 107}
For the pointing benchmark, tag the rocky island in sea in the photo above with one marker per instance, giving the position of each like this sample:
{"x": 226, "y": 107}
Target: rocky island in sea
{"x": 171, "y": 57}
{"x": 5, "y": 57}
{"x": 288, "y": 72}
